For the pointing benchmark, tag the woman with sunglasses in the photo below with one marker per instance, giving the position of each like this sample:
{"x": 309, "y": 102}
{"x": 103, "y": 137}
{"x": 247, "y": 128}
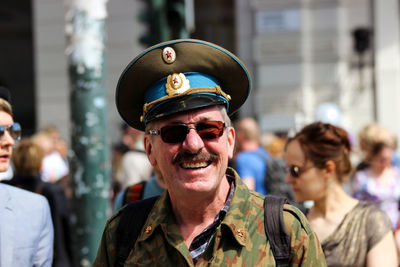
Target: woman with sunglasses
{"x": 351, "y": 232}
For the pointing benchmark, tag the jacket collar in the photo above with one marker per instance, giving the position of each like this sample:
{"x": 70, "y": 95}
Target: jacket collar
{"x": 238, "y": 225}
{"x": 162, "y": 214}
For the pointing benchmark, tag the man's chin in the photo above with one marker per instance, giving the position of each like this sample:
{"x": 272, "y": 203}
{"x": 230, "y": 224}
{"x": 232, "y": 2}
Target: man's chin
{"x": 4, "y": 166}
{"x": 196, "y": 187}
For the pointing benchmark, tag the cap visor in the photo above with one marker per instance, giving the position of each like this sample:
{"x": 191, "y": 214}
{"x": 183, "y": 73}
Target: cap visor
{"x": 181, "y": 104}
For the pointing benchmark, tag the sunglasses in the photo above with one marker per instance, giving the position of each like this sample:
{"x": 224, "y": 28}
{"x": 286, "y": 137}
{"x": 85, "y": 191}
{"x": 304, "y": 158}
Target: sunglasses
{"x": 14, "y": 130}
{"x": 296, "y": 171}
{"x": 176, "y": 133}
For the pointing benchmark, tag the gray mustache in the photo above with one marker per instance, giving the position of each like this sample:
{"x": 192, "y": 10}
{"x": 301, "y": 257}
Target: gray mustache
{"x": 193, "y": 157}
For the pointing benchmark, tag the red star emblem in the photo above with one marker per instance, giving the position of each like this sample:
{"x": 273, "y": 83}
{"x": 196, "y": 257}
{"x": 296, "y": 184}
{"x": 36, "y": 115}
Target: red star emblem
{"x": 168, "y": 54}
{"x": 175, "y": 80}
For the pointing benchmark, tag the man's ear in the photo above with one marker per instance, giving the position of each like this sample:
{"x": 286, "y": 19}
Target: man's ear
{"x": 148, "y": 147}
{"x": 231, "y": 141}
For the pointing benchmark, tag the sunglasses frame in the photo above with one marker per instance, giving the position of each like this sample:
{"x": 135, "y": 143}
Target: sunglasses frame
{"x": 296, "y": 171}
{"x": 220, "y": 126}
{"x": 15, "y": 134}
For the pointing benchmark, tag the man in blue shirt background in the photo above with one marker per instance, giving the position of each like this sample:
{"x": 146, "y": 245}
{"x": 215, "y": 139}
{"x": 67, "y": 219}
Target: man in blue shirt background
{"x": 251, "y": 158}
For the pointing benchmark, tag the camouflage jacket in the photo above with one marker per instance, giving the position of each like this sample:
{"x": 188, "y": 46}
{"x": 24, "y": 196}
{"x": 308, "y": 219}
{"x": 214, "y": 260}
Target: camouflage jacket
{"x": 239, "y": 241}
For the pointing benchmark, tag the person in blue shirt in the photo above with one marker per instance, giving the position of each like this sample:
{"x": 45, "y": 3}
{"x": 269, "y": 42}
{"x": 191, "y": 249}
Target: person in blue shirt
{"x": 155, "y": 186}
{"x": 251, "y": 158}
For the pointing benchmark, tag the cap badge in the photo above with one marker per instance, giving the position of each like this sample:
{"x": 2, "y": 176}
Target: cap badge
{"x": 169, "y": 55}
{"x": 176, "y": 84}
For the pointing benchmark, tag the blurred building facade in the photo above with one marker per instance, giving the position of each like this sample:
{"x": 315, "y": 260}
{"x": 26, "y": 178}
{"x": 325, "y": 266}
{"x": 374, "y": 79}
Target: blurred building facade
{"x": 214, "y": 20}
{"x": 303, "y": 56}
{"x": 300, "y": 53}
{"x": 52, "y": 85}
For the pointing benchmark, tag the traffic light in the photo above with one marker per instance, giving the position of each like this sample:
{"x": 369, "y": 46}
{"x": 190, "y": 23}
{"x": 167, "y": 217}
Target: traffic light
{"x": 362, "y": 39}
{"x": 177, "y": 18}
{"x": 165, "y": 20}
{"x": 155, "y": 17}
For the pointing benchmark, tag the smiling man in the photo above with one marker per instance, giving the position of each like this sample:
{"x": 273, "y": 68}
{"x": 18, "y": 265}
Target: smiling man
{"x": 180, "y": 93}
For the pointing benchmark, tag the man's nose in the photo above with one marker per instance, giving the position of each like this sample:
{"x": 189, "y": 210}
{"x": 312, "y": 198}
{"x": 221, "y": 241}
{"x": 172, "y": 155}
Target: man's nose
{"x": 7, "y": 139}
{"x": 193, "y": 142}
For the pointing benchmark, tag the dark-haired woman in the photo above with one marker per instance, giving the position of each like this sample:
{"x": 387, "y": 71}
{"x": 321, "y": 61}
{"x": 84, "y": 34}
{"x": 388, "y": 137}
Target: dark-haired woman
{"x": 352, "y": 233}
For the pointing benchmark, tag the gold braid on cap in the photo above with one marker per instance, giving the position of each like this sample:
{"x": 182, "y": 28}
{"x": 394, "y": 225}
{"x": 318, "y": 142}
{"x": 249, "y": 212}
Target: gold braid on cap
{"x": 216, "y": 90}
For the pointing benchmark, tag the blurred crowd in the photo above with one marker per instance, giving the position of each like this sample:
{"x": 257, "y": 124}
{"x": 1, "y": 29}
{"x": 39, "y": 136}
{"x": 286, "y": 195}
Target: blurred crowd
{"x": 352, "y": 176}
{"x": 365, "y": 170}
{"x": 40, "y": 164}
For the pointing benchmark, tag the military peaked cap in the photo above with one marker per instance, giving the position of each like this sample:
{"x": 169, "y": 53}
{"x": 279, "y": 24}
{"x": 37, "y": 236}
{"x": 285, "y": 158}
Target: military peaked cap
{"x": 177, "y": 76}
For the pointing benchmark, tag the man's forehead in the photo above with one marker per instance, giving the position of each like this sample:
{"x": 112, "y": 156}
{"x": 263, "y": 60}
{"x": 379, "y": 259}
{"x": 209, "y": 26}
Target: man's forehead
{"x": 5, "y": 117}
{"x": 200, "y": 114}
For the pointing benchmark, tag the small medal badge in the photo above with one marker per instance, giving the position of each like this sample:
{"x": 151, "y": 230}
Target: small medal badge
{"x": 148, "y": 229}
{"x": 169, "y": 55}
{"x": 240, "y": 232}
{"x": 176, "y": 84}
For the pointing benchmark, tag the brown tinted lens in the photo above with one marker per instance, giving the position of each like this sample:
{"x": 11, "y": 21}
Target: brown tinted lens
{"x": 210, "y": 129}
{"x": 174, "y": 134}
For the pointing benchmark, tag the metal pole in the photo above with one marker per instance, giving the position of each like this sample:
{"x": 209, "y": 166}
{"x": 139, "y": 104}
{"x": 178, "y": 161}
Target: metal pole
{"x": 373, "y": 54}
{"x": 85, "y": 32}
{"x": 308, "y": 95}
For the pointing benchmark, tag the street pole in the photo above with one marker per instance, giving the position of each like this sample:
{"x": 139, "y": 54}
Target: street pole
{"x": 307, "y": 88}
{"x": 85, "y": 34}
{"x": 373, "y": 55}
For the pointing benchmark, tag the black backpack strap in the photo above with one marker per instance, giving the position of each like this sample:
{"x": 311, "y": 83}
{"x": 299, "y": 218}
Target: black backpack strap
{"x": 275, "y": 229}
{"x": 134, "y": 193}
{"x": 133, "y": 217}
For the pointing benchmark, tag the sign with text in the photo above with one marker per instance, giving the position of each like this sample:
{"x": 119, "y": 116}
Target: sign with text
{"x": 277, "y": 21}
